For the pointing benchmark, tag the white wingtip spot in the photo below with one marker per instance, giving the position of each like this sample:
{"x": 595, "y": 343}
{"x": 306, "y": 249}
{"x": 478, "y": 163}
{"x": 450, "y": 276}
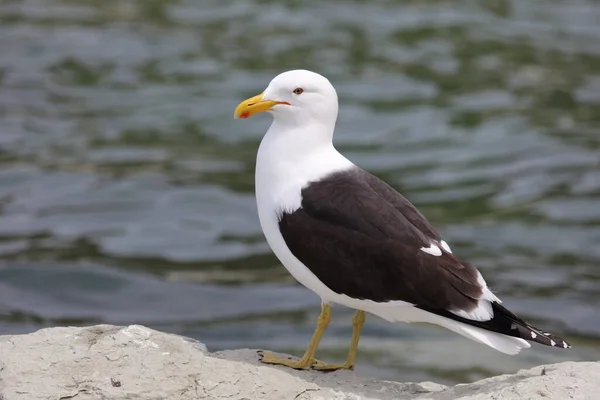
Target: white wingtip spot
{"x": 445, "y": 246}
{"x": 552, "y": 342}
{"x": 433, "y": 250}
{"x": 565, "y": 345}
{"x": 533, "y": 335}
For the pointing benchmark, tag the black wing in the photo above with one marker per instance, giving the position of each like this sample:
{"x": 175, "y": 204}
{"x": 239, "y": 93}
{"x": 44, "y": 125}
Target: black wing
{"x": 400, "y": 203}
{"x": 364, "y": 240}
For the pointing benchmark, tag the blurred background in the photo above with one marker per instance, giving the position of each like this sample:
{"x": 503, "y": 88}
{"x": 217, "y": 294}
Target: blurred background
{"x": 126, "y": 188}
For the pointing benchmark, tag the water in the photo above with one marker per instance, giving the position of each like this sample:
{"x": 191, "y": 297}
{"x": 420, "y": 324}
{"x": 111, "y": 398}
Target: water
{"x": 126, "y": 188}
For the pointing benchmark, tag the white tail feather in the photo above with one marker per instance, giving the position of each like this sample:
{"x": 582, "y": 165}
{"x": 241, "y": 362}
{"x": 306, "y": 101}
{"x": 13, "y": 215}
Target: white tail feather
{"x": 400, "y": 312}
{"x": 503, "y": 343}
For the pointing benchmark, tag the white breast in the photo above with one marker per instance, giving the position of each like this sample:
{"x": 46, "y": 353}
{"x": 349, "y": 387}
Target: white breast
{"x": 283, "y": 167}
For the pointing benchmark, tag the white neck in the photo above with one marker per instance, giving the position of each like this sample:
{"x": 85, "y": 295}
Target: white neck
{"x": 290, "y": 158}
{"x": 296, "y": 142}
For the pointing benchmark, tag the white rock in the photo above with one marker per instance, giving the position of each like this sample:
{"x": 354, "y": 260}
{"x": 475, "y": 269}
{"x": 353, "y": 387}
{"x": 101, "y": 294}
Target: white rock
{"x": 110, "y": 363}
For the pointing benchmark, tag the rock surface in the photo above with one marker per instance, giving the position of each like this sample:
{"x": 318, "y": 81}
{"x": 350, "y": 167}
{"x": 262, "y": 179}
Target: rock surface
{"x": 109, "y": 362}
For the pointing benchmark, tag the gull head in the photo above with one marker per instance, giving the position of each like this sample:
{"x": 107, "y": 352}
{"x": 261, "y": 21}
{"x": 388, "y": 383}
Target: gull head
{"x": 294, "y": 97}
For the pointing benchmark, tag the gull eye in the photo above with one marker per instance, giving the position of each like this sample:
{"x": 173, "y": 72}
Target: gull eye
{"x": 298, "y": 91}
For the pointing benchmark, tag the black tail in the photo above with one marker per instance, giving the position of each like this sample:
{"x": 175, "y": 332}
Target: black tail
{"x": 507, "y": 323}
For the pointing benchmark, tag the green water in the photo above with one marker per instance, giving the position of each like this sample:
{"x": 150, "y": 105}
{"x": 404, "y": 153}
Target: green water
{"x": 126, "y": 188}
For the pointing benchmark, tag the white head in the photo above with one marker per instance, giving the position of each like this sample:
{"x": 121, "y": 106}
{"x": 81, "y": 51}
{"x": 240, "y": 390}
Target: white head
{"x": 296, "y": 97}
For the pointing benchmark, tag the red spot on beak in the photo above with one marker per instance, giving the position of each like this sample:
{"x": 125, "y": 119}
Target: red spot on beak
{"x": 245, "y": 115}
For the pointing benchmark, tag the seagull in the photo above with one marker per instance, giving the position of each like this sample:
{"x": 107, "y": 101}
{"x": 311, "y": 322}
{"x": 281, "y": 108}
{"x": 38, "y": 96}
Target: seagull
{"x": 354, "y": 240}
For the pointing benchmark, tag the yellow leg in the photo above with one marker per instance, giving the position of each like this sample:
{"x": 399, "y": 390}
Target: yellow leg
{"x": 308, "y": 359}
{"x": 357, "y": 323}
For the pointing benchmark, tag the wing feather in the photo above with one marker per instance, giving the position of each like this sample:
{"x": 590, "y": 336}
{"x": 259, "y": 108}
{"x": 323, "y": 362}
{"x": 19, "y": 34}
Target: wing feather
{"x": 363, "y": 239}
{"x": 364, "y": 242}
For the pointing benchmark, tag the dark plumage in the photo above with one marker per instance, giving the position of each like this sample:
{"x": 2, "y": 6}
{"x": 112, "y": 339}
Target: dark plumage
{"x": 363, "y": 239}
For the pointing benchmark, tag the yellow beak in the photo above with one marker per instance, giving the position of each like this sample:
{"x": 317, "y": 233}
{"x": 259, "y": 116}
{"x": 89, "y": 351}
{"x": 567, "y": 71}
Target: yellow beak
{"x": 255, "y": 105}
